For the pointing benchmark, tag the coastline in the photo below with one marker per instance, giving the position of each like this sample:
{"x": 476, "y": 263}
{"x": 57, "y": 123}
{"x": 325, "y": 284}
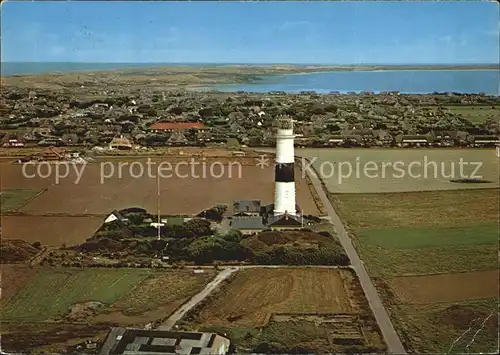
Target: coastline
{"x": 260, "y": 70}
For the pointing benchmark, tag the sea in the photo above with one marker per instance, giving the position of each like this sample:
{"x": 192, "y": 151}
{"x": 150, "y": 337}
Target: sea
{"x": 405, "y": 81}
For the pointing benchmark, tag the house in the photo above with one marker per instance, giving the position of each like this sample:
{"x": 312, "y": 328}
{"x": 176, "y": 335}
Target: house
{"x": 52, "y": 153}
{"x": 177, "y": 138}
{"x": 203, "y": 135}
{"x": 285, "y": 221}
{"x": 483, "y": 141}
{"x": 42, "y": 131}
{"x": 177, "y": 126}
{"x": 238, "y": 153}
{"x": 73, "y": 155}
{"x": 115, "y": 216}
{"x": 403, "y": 140}
{"x": 12, "y": 141}
{"x": 246, "y": 208}
{"x": 120, "y": 143}
{"x": 336, "y": 140}
{"x": 353, "y": 140}
{"x": 383, "y": 138}
{"x": 147, "y": 341}
{"x": 442, "y": 138}
{"x": 30, "y": 137}
{"x": 247, "y": 224}
{"x": 50, "y": 141}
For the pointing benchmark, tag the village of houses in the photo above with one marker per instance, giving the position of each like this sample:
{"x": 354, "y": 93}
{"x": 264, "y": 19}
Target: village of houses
{"x": 122, "y": 120}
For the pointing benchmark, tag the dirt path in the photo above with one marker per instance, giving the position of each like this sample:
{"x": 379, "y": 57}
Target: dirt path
{"x": 391, "y": 338}
{"x": 178, "y": 314}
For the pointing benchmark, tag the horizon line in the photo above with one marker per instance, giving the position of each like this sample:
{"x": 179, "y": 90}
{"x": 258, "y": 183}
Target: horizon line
{"x": 246, "y": 63}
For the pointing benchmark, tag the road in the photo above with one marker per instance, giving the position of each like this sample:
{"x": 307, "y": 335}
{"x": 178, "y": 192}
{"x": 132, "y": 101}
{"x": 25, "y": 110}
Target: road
{"x": 179, "y": 313}
{"x": 391, "y": 338}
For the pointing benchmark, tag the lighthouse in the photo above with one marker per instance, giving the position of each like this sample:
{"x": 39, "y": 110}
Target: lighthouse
{"x": 284, "y": 194}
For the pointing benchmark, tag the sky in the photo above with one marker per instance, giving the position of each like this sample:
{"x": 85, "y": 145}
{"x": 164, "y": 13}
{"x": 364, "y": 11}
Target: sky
{"x": 251, "y": 32}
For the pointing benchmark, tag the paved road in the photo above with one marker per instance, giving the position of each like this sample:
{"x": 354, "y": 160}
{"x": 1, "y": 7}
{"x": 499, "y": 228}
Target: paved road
{"x": 391, "y": 338}
{"x": 179, "y": 313}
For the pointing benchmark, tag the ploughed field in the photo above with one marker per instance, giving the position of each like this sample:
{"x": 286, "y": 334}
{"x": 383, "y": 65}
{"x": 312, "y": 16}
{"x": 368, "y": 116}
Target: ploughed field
{"x": 399, "y": 170}
{"x": 32, "y": 299}
{"x": 48, "y": 230}
{"x": 302, "y": 308}
{"x": 434, "y": 258}
{"x": 90, "y": 192}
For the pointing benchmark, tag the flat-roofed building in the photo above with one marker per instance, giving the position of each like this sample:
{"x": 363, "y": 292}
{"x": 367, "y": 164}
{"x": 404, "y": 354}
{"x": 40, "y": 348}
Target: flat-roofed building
{"x": 129, "y": 341}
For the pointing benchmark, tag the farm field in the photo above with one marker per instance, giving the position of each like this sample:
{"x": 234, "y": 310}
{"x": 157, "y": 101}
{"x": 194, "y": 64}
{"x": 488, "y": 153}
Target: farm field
{"x": 50, "y": 293}
{"x": 434, "y": 257}
{"x": 12, "y": 278}
{"x": 50, "y": 231}
{"x": 11, "y": 200}
{"x": 433, "y": 328}
{"x": 288, "y": 308}
{"x": 82, "y": 203}
{"x": 157, "y": 296}
{"x": 423, "y": 232}
{"x": 368, "y": 170}
{"x": 444, "y": 288}
{"x": 188, "y": 193}
{"x": 32, "y": 299}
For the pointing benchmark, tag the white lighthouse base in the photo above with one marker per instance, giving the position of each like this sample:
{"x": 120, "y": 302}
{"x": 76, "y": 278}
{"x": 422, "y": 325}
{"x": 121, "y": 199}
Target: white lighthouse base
{"x": 284, "y": 198}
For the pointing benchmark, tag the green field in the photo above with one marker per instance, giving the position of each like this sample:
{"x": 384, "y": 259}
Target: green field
{"x": 51, "y": 293}
{"x": 475, "y": 113}
{"x": 410, "y": 251}
{"x": 433, "y": 328}
{"x": 11, "y": 200}
{"x": 423, "y": 232}
{"x": 426, "y": 233}
{"x": 414, "y": 238}
{"x": 401, "y": 170}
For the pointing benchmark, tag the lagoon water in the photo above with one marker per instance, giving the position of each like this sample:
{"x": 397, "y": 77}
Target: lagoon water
{"x": 405, "y": 81}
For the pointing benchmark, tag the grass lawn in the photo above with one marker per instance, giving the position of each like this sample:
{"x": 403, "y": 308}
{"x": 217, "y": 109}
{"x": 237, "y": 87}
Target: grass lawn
{"x": 433, "y": 328}
{"x": 475, "y": 113}
{"x": 52, "y": 292}
{"x": 11, "y": 200}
